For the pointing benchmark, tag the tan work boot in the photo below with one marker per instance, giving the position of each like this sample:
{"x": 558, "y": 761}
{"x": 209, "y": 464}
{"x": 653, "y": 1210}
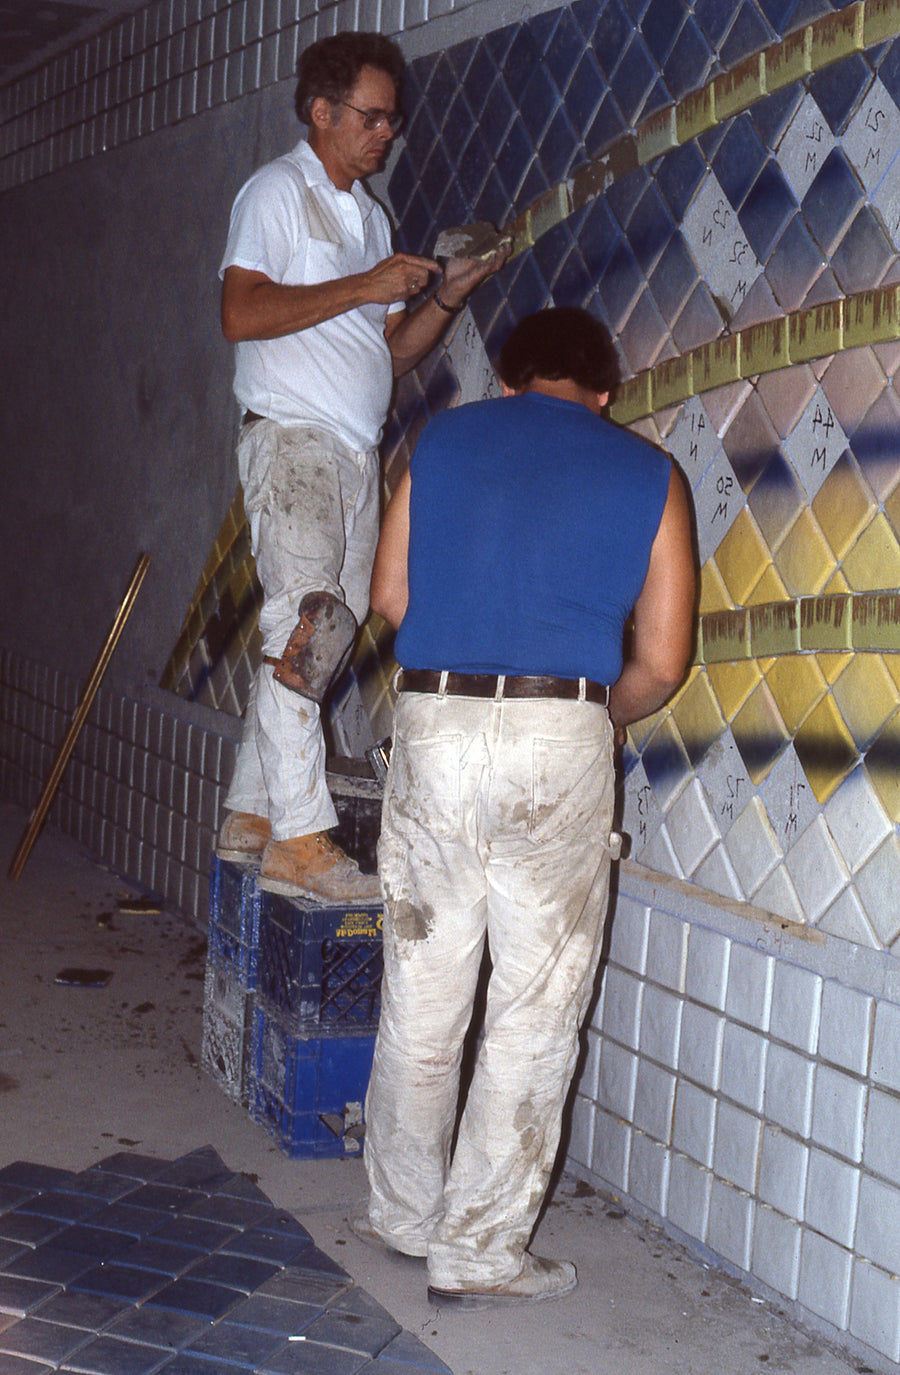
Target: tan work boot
{"x": 243, "y": 836}
{"x": 314, "y": 867}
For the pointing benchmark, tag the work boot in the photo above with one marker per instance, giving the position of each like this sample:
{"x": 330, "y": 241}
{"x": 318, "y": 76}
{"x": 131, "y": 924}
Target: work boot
{"x": 243, "y": 836}
{"x": 314, "y": 867}
{"x": 538, "y": 1280}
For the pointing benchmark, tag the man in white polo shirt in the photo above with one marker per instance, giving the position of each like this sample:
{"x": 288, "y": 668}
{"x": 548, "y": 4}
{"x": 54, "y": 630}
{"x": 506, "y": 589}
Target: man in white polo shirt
{"x": 314, "y": 298}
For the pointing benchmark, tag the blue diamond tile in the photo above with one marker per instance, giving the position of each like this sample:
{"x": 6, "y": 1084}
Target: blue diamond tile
{"x": 203, "y": 1169}
{"x": 889, "y": 70}
{"x": 106, "y": 1356}
{"x": 20, "y": 1174}
{"x": 92, "y": 1312}
{"x": 564, "y": 49}
{"x": 12, "y": 1195}
{"x": 191, "y": 1365}
{"x": 633, "y": 78}
{"x": 129, "y": 1219}
{"x": 838, "y": 89}
{"x": 11, "y": 1251}
{"x": 747, "y": 35}
{"x": 831, "y": 201}
{"x": 777, "y": 491}
{"x": 559, "y": 147}
{"x": 310, "y": 1286}
{"x": 270, "y": 1314}
{"x": 64, "y": 1207}
{"x": 659, "y": 97}
{"x": 673, "y": 279}
{"x": 41, "y": 1341}
{"x": 49, "y": 1263}
{"x": 767, "y": 209}
{"x": 794, "y": 265}
{"x": 133, "y": 1165}
{"x": 405, "y": 1347}
{"x": 773, "y": 115}
{"x": 102, "y": 1185}
{"x": 522, "y": 59}
{"x": 739, "y": 159}
{"x": 236, "y": 1272}
{"x": 185, "y": 1295}
{"x": 539, "y": 100}
{"x": 714, "y": 17}
{"x": 689, "y": 63}
{"x": 864, "y": 254}
{"x": 163, "y": 1257}
{"x": 91, "y": 1241}
{"x": 649, "y": 229}
{"x": 351, "y": 1332}
{"x": 660, "y": 27}
{"x": 619, "y": 286}
{"x": 778, "y": 12}
{"x": 198, "y": 1232}
{"x": 119, "y": 1282}
{"x": 678, "y": 175}
{"x": 310, "y": 1358}
{"x": 21, "y": 1296}
{"x": 29, "y": 1227}
{"x": 607, "y": 127}
{"x": 157, "y": 1327}
{"x": 247, "y": 1347}
{"x": 499, "y": 110}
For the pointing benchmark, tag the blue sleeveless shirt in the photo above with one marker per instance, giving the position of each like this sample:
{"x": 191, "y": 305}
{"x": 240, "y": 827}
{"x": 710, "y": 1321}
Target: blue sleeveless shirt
{"x": 531, "y": 524}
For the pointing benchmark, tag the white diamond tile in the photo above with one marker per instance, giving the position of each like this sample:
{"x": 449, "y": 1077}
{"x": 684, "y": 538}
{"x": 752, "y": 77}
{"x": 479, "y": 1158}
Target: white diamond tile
{"x": 804, "y": 146}
{"x": 630, "y": 927}
{"x": 847, "y": 918}
{"x": 815, "y": 444}
{"x": 877, "y": 883}
{"x": 718, "y": 500}
{"x": 622, "y": 1006}
{"x": 839, "y": 1103}
{"x": 846, "y": 1033}
{"x": 743, "y": 1066}
{"x": 618, "y": 1076}
{"x": 687, "y": 1205}
{"x": 816, "y": 869}
{"x": 856, "y": 818}
{"x": 779, "y": 896}
{"x": 880, "y": 1152}
{"x": 612, "y": 1148}
{"x": 693, "y": 441}
{"x": 825, "y": 1271}
{"x": 724, "y": 258}
{"x": 691, "y": 826}
{"x": 789, "y": 1090}
{"x": 776, "y": 1251}
{"x": 661, "y": 1026}
{"x": 885, "y": 1068}
{"x": 887, "y": 201}
{"x": 751, "y": 975}
{"x": 648, "y": 1172}
{"x": 788, "y": 799}
{"x": 717, "y": 874}
{"x": 654, "y": 1101}
{"x": 702, "y": 1036}
{"x": 752, "y": 846}
{"x": 872, "y": 135}
{"x": 667, "y": 950}
{"x": 878, "y": 1225}
{"x": 693, "y": 1130}
{"x": 660, "y": 856}
{"x": 706, "y": 976}
{"x": 783, "y": 1165}
{"x": 875, "y": 1309}
{"x": 736, "y": 1150}
{"x": 796, "y": 1006}
{"x": 730, "y": 1230}
{"x": 642, "y": 815}
{"x": 832, "y": 1195}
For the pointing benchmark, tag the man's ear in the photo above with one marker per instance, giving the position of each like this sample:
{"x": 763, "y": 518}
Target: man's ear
{"x": 603, "y": 399}
{"x": 321, "y": 113}
{"x": 507, "y": 391}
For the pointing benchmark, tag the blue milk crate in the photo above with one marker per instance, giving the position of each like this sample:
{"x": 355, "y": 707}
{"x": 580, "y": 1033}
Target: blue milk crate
{"x": 319, "y": 969}
{"x": 309, "y": 1093}
{"x": 231, "y": 972}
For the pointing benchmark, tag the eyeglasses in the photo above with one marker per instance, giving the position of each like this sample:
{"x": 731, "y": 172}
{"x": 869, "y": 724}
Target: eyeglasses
{"x": 376, "y": 119}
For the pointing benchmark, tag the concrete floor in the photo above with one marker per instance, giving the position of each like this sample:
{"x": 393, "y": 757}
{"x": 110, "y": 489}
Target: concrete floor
{"x": 86, "y": 1072}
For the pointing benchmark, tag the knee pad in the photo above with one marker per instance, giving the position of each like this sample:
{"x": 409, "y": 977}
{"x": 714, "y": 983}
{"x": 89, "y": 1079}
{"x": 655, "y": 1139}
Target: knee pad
{"x": 316, "y": 646}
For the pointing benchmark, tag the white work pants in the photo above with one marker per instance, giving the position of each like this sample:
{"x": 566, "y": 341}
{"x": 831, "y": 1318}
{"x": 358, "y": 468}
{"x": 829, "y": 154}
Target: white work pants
{"x": 313, "y": 508}
{"x": 497, "y": 819}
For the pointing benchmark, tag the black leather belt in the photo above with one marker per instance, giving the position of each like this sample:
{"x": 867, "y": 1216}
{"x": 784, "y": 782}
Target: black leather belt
{"x": 486, "y": 685}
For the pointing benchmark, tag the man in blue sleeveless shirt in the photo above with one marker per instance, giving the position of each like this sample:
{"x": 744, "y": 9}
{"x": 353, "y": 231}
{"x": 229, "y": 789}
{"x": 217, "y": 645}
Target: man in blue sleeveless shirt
{"x": 513, "y": 553}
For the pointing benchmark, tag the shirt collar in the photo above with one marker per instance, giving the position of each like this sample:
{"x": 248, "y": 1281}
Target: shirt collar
{"x": 317, "y": 176}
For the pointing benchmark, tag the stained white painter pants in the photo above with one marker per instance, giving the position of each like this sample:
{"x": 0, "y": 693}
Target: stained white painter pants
{"x": 312, "y": 505}
{"x": 496, "y": 823}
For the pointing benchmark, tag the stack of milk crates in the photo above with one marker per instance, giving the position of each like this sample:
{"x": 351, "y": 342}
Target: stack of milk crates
{"x": 292, "y": 996}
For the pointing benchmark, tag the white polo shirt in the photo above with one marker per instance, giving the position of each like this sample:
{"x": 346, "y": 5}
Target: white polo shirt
{"x": 292, "y": 223}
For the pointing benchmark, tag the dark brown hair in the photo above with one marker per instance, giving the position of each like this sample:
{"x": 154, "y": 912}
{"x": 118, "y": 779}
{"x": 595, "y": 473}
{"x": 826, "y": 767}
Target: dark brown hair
{"x": 561, "y": 343}
{"x": 330, "y": 68}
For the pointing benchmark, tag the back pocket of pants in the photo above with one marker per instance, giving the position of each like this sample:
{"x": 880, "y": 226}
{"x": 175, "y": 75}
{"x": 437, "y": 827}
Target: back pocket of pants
{"x": 424, "y": 790}
{"x": 569, "y": 783}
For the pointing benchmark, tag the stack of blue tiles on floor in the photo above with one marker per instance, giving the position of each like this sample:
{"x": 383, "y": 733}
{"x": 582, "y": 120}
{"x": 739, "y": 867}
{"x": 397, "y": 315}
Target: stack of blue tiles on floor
{"x": 140, "y": 1265}
{"x": 291, "y": 1005}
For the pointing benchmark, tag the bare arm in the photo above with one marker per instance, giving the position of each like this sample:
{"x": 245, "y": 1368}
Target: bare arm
{"x": 255, "y": 307}
{"x": 390, "y": 581}
{"x": 663, "y": 617}
{"x": 411, "y": 336}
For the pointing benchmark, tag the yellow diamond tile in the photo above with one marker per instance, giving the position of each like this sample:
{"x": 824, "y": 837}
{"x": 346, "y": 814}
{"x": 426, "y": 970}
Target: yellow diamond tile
{"x": 639, "y": 732}
{"x": 742, "y": 557}
{"x": 805, "y": 560}
{"x": 713, "y": 592}
{"x": 833, "y": 665}
{"x": 759, "y": 733}
{"x": 698, "y": 716}
{"x": 873, "y": 563}
{"x": 892, "y": 664}
{"x": 892, "y": 508}
{"x": 797, "y": 684}
{"x": 770, "y": 588}
{"x": 867, "y": 697}
{"x": 825, "y": 748}
{"x": 881, "y": 766}
{"x": 836, "y": 585}
{"x": 733, "y": 683}
{"x": 843, "y": 507}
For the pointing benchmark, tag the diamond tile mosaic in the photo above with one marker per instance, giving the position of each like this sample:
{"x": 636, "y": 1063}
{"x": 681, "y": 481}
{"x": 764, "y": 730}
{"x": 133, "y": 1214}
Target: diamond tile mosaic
{"x": 245, "y": 1285}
